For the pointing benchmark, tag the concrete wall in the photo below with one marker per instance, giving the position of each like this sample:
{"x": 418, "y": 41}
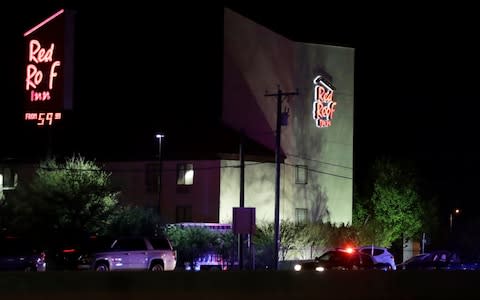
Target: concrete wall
{"x": 257, "y": 60}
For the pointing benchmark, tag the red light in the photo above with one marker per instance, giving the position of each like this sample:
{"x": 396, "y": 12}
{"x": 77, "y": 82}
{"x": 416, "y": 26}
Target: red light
{"x": 69, "y": 250}
{"x": 349, "y": 250}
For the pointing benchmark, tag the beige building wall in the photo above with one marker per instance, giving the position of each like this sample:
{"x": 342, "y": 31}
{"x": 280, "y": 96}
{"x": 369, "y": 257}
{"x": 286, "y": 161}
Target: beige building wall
{"x": 258, "y": 61}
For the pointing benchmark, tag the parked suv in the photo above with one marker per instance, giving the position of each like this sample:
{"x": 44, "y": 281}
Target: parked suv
{"x": 19, "y": 254}
{"x": 380, "y": 255}
{"x": 136, "y": 253}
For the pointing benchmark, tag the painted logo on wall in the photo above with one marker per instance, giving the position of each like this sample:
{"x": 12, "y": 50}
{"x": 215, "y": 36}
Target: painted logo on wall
{"x": 323, "y": 104}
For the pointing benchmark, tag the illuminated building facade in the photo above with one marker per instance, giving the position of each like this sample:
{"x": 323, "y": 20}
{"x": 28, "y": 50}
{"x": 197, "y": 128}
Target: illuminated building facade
{"x": 317, "y": 143}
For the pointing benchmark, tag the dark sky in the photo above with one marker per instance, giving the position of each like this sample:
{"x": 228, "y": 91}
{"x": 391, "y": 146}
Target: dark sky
{"x": 415, "y": 77}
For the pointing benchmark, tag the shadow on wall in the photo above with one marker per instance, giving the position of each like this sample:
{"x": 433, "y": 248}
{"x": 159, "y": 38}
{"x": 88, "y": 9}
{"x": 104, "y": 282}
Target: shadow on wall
{"x": 319, "y": 209}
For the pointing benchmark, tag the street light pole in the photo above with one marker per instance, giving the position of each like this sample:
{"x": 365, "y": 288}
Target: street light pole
{"x": 159, "y": 178}
{"x": 456, "y": 211}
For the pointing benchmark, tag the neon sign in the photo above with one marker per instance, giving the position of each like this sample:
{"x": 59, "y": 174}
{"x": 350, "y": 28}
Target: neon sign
{"x": 35, "y": 76}
{"x": 43, "y": 118}
{"x": 49, "y": 68}
{"x": 323, "y": 104}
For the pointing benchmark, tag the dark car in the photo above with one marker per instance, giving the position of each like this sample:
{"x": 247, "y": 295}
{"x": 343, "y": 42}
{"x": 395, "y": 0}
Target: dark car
{"x": 340, "y": 259}
{"x": 74, "y": 253}
{"x": 20, "y": 254}
{"x": 435, "y": 260}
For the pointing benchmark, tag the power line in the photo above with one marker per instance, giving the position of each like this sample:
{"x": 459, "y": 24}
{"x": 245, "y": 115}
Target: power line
{"x": 319, "y": 161}
{"x": 321, "y": 172}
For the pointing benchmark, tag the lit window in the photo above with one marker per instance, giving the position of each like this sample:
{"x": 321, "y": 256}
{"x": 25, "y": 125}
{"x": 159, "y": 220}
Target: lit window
{"x": 184, "y": 174}
{"x": 8, "y": 178}
{"x": 301, "y": 215}
{"x": 301, "y": 174}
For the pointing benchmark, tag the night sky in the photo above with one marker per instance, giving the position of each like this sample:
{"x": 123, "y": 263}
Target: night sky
{"x": 415, "y": 82}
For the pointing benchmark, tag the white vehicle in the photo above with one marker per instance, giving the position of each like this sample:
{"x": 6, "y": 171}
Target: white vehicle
{"x": 136, "y": 253}
{"x": 379, "y": 255}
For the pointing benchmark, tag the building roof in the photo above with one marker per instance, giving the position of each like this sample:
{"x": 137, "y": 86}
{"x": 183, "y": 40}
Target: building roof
{"x": 219, "y": 142}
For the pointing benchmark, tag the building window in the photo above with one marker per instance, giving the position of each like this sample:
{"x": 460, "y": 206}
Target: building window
{"x": 301, "y": 174}
{"x": 301, "y": 215}
{"x": 184, "y": 174}
{"x": 152, "y": 173}
{"x": 8, "y": 178}
{"x": 183, "y": 213}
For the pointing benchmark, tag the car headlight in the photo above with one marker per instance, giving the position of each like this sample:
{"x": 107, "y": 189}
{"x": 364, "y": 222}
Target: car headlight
{"x": 297, "y": 267}
{"x": 320, "y": 269}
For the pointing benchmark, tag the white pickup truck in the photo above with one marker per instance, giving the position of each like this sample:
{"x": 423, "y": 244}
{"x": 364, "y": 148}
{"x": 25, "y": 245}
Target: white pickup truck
{"x": 136, "y": 253}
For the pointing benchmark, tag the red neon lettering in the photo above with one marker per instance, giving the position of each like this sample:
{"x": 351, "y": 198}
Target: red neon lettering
{"x": 332, "y": 109}
{"x": 39, "y": 96}
{"x": 38, "y": 54}
{"x": 53, "y": 74}
{"x": 322, "y": 123}
{"x": 49, "y": 118}
{"x": 34, "y": 77}
{"x": 324, "y": 110}
{"x": 58, "y": 116}
{"x": 30, "y": 116}
{"x": 41, "y": 119}
{"x": 322, "y": 94}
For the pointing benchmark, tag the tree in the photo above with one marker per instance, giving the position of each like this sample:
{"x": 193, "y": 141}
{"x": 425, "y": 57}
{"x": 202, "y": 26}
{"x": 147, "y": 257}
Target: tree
{"x": 223, "y": 244}
{"x": 64, "y": 199}
{"x": 190, "y": 242}
{"x": 264, "y": 246}
{"x": 134, "y": 220}
{"x": 291, "y": 238}
{"x": 394, "y": 208}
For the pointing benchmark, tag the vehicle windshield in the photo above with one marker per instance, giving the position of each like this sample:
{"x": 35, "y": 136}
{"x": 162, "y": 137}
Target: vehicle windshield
{"x": 416, "y": 258}
{"x": 330, "y": 256}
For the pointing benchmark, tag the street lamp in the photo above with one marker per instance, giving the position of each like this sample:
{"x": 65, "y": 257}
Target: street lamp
{"x": 455, "y": 212}
{"x": 159, "y": 179}
{"x": 159, "y": 137}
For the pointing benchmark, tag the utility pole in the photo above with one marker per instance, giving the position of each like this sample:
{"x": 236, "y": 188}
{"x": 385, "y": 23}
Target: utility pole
{"x": 278, "y": 133}
{"x": 242, "y": 198}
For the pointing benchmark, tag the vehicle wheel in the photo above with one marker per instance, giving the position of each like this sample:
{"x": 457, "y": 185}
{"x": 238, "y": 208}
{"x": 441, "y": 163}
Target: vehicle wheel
{"x": 101, "y": 267}
{"x": 156, "y": 267}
